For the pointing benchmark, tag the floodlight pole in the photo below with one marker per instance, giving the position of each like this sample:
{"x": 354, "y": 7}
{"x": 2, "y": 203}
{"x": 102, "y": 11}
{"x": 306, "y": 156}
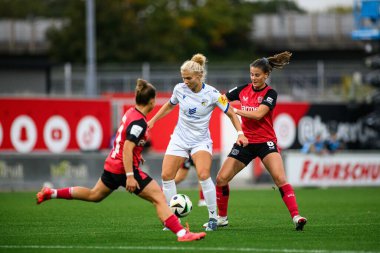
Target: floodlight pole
{"x": 91, "y": 88}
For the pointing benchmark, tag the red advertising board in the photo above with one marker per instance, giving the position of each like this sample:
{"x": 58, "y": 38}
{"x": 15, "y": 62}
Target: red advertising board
{"x": 54, "y": 125}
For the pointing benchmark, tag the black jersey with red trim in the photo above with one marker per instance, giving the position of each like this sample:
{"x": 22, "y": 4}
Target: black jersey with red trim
{"x": 133, "y": 127}
{"x": 257, "y": 131}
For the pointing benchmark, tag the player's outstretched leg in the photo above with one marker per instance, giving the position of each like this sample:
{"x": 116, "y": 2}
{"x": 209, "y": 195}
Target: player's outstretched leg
{"x": 299, "y": 222}
{"x": 44, "y": 194}
{"x": 47, "y": 193}
{"x": 289, "y": 198}
{"x": 191, "y": 236}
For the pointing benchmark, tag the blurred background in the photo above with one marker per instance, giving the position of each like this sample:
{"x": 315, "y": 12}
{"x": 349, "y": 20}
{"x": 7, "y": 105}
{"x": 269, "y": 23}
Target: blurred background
{"x": 68, "y": 70}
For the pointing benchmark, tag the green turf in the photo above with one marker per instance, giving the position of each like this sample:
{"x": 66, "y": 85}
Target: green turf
{"x": 339, "y": 220}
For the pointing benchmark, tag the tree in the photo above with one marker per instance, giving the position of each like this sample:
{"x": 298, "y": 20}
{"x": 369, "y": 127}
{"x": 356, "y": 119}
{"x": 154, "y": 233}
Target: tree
{"x": 151, "y": 30}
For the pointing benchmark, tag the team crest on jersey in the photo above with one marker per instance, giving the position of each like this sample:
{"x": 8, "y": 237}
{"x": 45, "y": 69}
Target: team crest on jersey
{"x": 204, "y": 102}
{"x": 192, "y": 110}
{"x": 223, "y": 100}
{"x": 260, "y": 99}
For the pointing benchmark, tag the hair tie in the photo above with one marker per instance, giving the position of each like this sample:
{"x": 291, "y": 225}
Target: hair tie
{"x": 265, "y": 60}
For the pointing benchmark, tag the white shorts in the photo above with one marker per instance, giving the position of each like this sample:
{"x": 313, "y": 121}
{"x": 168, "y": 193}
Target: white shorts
{"x": 183, "y": 150}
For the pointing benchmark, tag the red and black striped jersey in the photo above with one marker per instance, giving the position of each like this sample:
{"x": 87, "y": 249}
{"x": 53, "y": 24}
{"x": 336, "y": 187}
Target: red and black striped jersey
{"x": 133, "y": 127}
{"x": 257, "y": 131}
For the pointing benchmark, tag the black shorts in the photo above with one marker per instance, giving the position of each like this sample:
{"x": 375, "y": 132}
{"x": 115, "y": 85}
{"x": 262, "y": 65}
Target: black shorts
{"x": 113, "y": 181}
{"x": 251, "y": 151}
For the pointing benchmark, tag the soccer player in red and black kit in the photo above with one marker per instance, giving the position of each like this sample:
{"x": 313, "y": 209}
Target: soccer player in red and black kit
{"x": 257, "y": 101}
{"x": 121, "y": 167}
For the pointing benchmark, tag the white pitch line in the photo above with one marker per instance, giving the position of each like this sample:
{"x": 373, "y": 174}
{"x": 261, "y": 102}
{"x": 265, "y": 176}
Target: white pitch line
{"x": 179, "y": 248}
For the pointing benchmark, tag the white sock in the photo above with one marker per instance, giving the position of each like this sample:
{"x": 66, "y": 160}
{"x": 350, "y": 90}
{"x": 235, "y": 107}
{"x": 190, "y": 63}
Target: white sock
{"x": 181, "y": 233}
{"x": 169, "y": 188}
{"x": 209, "y": 192}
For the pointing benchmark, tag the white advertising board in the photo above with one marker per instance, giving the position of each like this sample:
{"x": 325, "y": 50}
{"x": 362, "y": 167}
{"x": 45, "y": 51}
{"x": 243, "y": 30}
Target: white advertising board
{"x": 342, "y": 169}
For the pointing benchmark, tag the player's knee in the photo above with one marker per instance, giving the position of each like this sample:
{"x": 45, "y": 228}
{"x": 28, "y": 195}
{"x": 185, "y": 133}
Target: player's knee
{"x": 159, "y": 199}
{"x": 279, "y": 180}
{"x": 203, "y": 175}
{"x": 221, "y": 181}
{"x": 96, "y": 197}
{"x": 166, "y": 176}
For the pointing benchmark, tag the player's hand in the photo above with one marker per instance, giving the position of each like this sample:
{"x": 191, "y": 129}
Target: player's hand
{"x": 242, "y": 140}
{"x": 131, "y": 184}
{"x": 150, "y": 124}
{"x": 142, "y": 160}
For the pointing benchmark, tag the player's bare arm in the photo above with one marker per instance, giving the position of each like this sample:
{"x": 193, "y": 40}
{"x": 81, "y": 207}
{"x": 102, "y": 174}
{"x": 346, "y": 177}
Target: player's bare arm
{"x": 241, "y": 140}
{"x": 131, "y": 183}
{"x": 261, "y": 111}
{"x": 164, "y": 110}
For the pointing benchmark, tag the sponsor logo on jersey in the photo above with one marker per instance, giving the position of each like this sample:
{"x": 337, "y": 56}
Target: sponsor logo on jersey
{"x": 136, "y": 130}
{"x": 248, "y": 108}
{"x": 192, "y": 110}
{"x": 223, "y": 100}
{"x": 245, "y": 98}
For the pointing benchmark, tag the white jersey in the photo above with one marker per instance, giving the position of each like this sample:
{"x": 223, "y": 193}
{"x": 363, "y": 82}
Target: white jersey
{"x": 195, "y": 111}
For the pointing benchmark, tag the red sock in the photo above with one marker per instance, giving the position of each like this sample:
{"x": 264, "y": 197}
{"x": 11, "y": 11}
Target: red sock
{"x": 201, "y": 195}
{"x": 64, "y": 193}
{"x": 222, "y": 196}
{"x": 173, "y": 224}
{"x": 289, "y": 198}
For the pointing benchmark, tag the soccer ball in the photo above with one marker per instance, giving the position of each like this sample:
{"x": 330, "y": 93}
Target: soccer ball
{"x": 181, "y": 205}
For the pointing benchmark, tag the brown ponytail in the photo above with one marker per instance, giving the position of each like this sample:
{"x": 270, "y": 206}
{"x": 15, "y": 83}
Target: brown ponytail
{"x": 277, "y": 61}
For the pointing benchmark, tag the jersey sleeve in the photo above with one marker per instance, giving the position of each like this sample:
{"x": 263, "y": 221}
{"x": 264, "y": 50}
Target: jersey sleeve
{"x": 174, "y": 98}
{"x": 270, "y": 99}
{"x": 233, "y": 94}
{"x": 220, "y": 101}
{"x": 136, "y": 130}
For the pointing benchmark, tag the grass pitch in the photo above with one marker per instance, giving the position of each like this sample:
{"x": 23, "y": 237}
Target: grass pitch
{"x": 340, "y": 220}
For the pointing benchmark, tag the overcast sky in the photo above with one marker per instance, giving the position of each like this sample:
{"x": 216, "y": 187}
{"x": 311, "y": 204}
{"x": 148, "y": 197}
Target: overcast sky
{"x": 321, "y": 5}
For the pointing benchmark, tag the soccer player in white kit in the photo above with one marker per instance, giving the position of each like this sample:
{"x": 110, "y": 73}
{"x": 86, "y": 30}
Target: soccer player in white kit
{"x": 191, "y": 135}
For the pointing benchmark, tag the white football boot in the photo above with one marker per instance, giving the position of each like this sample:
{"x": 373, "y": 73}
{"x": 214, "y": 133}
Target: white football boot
{"x": 299, "y": 222}
{"x": 221, "y": 222}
